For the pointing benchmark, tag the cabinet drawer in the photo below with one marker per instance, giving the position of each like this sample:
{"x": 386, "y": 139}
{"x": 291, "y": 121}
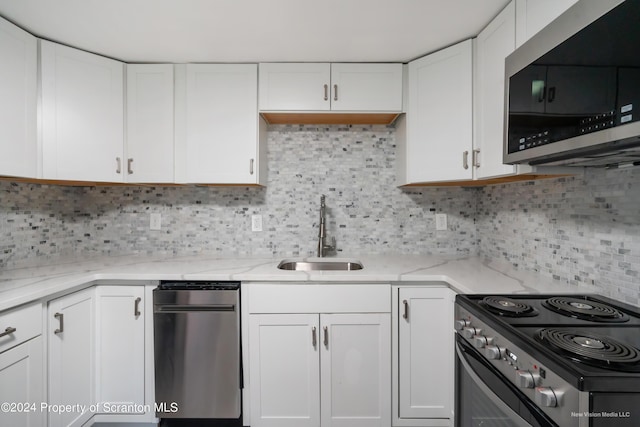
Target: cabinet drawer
{"x": 319, "y": 298}
{"x": 27, "y": 322}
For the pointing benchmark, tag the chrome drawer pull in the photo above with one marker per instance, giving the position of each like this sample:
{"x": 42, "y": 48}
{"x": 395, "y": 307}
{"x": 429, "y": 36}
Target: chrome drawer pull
{"x": 314, "y": 340}
{"x": 60, "y": 318}
{"x": 326, "y": 336}
{"x": 8, "y": 331}
{"x": 136, "y": 307}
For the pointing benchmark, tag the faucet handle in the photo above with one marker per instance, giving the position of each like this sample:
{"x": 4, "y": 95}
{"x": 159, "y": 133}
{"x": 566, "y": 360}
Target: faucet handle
{"x": 332, "y": 246}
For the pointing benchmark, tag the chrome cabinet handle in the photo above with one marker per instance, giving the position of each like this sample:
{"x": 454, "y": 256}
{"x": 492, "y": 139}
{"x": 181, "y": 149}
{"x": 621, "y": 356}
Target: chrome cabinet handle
{"x": 8, "y": 331}
{"x": 60, "y": 318}
{"x": 335, "y": 92}
{"x": 136, "y": 307}
{"x": 130, "y": 166}
{"x": 405, "y": 315}
{"x": 475, "y": 160}
{"x": 314, "y": 337}
{"x": 251, "y": 166}
{"x": 326, "y": 336}
{"x": 465, "y": 160}
{"x": 326, "y": 92}
{"x": 119, "y": 165}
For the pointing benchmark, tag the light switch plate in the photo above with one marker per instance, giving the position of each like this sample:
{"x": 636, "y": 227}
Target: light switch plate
{"x": 441, "y": 222}
{"x": 155, "y": 221}
{"x": 256, "y": 222}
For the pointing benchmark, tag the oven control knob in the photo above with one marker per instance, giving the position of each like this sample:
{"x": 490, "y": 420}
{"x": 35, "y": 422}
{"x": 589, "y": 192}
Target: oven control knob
{"x": 546, "y": 396}
{"x": 526, "y": 379}
{"x": 479, "y": 341}
{"x": 461, "y": 324}
{"x": 493, "y": 352}
{"x": 470, "y": 332}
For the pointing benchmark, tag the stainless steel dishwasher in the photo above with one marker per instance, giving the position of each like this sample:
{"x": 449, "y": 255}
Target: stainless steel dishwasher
{"x": 198, "y": 371}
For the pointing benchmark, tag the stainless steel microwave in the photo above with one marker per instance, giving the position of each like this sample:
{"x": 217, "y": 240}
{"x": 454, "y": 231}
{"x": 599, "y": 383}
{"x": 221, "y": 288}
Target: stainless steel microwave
{"x": 573, "y": 90}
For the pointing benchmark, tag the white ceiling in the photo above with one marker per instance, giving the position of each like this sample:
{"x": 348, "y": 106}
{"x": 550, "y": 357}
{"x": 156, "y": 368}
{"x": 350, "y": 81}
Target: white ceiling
{"x": 254, "y": 30}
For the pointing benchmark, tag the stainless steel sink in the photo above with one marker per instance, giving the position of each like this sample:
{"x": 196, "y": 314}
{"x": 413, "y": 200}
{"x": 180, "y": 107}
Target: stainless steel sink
{"x": 320, "y": 265}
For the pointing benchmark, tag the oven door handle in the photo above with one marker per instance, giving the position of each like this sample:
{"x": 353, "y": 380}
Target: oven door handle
{"x": 518, "y": 420}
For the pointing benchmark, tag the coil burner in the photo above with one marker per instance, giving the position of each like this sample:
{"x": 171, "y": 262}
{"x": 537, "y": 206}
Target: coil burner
{"x": 585, "y": 309}
{"x": 593, "y": 349}
{"x": 507, "y": 307}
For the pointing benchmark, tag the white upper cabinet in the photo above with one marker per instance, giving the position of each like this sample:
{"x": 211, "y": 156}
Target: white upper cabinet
{"x": 336, "y": 87}
{"x": 534, "y": 15}
{"x": 149, "y": 142}
{"x": 435, "y": 138}
{"x": 493, "y": 45}
{"x": 366, "y": 87}
{"x": 18, "y": 86}
{"x": 295, "y": 87}
{"x": 82, "y": 115}
{"x": 219, "y": 132}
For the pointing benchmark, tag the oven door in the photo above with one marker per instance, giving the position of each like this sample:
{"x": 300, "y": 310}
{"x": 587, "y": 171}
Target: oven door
{"x": 484, "y": 397}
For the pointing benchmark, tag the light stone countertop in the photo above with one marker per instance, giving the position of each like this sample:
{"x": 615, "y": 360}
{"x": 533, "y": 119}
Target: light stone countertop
{"x": 463, "y": 274}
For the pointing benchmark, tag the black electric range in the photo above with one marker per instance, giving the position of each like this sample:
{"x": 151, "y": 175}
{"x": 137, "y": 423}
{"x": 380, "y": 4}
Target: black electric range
{"x": 568, "y": 354}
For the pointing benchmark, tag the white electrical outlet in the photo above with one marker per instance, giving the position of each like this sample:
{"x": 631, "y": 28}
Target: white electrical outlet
{"x": 256, "y": 222}
{"x": 441, "y": 222}
{"x": 155, "y": 221}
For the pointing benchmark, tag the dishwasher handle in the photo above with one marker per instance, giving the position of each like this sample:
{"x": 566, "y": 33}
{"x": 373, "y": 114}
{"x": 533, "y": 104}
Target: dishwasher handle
{"x": 176, "y": 308}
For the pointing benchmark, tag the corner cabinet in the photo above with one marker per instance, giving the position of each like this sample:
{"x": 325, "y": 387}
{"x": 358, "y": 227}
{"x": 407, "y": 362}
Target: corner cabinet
{"x": 71, "y": 342}
{"x": 435, "y": 138}
{"x": 18, "y": 86}
{"x": 220, "y": 138}
{"x": 423, "y": 356}
{"x": 330, "y": 87}
{"x": 82, "y": 115}
{"x": 318, "y": 357}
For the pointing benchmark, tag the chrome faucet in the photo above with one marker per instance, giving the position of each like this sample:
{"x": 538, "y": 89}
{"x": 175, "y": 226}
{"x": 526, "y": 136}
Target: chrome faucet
{"x": 322, "y": 232}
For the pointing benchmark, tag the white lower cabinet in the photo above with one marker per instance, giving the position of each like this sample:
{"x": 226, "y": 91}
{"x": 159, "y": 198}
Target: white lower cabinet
{"x": 120, "y": 350}
{"x": 22, "y": 379}
{"x": 71, "y": 336}
{"x": 285, "y": 370}
{"x": 423, "y": 362}
{"x": 330, "y": 368}
{"x": 320, "y": 370}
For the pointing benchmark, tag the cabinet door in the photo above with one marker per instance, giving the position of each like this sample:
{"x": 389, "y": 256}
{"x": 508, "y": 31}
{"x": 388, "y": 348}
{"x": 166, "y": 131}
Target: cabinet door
{"x": 150, "y": 157}
{"x": 493, "y": 45}
{"x": 356, "y": 370}
{"x": 21, "y": 376}
{"x": 285, "y": 370}
{"x": 426, "y": 369}
{"x": 18, "y": 83}
{"x": 120, "y": 344}
{"x": 82, "y": 115}
{"x": 366, "y": 87}
{"x": 439, "y": 116}
{"x": 71, "y": 356}
{"x": 295, "y": 87}
{"x": 534, "y": 15}
{"x": 222, "y": 134}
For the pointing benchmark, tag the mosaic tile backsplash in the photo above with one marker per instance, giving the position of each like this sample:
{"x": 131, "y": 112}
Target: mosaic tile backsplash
{"x": 582, "y": 229}
{"x": 353, "y": 166}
